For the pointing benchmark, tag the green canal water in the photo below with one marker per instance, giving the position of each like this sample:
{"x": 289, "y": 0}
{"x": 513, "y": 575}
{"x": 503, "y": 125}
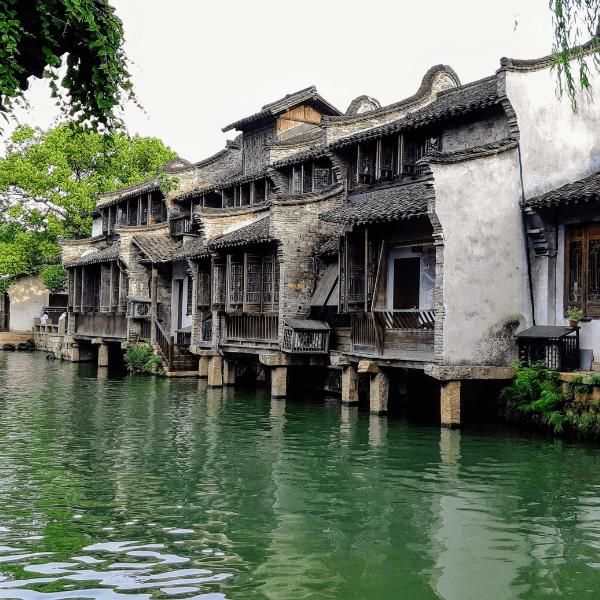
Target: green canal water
{"x": 115, "y": 486}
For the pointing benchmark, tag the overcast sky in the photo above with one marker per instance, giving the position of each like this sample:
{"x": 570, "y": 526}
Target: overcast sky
{"x": 198, "y": 66}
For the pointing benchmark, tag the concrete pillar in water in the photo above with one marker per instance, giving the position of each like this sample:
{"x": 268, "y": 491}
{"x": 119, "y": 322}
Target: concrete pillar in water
{"x": 103, "y": 355}
{"x": 349, "y": 384}
{"x": 279, "y": 382}
{"x": 74, "y": 352}
{"x": 215, "y": 373}
{"x": 450, "y": 403}
{"x": 203, "y": 363}
{"x": 229, "y": 372}
{"x": 379, "y": 391}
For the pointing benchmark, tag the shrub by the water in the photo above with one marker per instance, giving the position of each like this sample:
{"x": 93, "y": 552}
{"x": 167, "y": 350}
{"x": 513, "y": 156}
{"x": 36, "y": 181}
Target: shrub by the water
{"x": 140, "y": 358}
{"x": 537, "y": 395}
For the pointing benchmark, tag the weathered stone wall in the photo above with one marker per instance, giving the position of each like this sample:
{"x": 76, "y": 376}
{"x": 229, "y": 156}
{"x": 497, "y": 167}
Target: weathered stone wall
{"x": 485, "y": 283}
{"x": 299, "y": 231}
{"x": 476, "y": 130}
{"x": 27, "y": 298}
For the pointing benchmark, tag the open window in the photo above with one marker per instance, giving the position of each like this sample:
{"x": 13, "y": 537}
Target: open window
{"x": 411, "y": 278}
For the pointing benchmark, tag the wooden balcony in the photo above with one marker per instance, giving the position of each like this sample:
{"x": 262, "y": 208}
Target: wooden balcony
{"x": 252, "y": 330}
{"x": 183, "y": 226}
{"x": 393, "y": 334}
{"x": 138, "y": 308}
{"x": 104, "y": 325}
{"x": 305, "y": 336}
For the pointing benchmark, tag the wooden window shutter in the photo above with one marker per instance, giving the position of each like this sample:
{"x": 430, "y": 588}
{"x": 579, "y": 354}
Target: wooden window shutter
{"x": 356, "y": 269}
{"x": 133, "y": 212}
{"x": 78, "y": 285}
{"x": 370, "y": 266}
{"x": 574, "y": 265}
{"x": 122, "y": 215}
{"x": 253, "y": 283}
{"x": 71, "y": 297}
{"x": 144, "y": 211}
{"x": 112, "y": 220}
{"x": 307, "y": 178}
{"x": 592, "y": 288}
{"x": 190, "y": 295}
{"x": 105, "y": 279}
{"x": 105, "y": 221}
{"x": 88, "y": 289}
{"x": 116, "y": 277}
{"x": 296, "y": 180}
{"x": 218, "y": 283}
{"x": 203, "y": 289}
{"x": 236, "y": 281}
{"x": 156, "y": 210}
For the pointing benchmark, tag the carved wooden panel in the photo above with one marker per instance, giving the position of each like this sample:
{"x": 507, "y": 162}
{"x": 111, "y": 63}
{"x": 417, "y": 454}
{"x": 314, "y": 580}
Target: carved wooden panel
{"x": 218, "y": 282}
{"x": 236, "y": 283}
{"x": 157, "y": 210}
{"x": 116, "y": 278}
{"x": 307, "y": 178}
{"x": 203, "y": 289}
{"x": 105, "y": 279}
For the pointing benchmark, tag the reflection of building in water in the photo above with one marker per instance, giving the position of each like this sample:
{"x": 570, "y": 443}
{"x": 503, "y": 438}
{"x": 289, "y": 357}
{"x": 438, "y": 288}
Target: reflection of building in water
{"x": 478, "y": 554}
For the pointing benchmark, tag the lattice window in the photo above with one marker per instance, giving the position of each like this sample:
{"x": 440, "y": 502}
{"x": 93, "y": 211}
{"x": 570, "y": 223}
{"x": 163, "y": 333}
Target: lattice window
{"x": 203, "y": 292}
{"x": 356, "y": 268}
{"x": 105, "y": 221}
{"x": 268, "y": 282}
{"x": 190, "y": 295}
{"x": 387, "y": 153}
{"x": 113, "y": 218}
{"x": 71, "y": 287}
{"x": 307, "y": 178}
{"x": 105, "y": 288}
{"x": 219, "y": 284}
{"x": 297, "y": 180}
{"x": 78, "y": 279}
{"x": 253, "y": 282}
{"x": 582, "y": 269}
{"x": 157, "y": 210}
{"x": 322, "y": 177}
{"x": 116, "y": 278}
{"x": 259, "y": 191}
{"x": 236, "y": 284}
{"x": 144, "y": 211}
{"x": 122, "y": 215}
{"x": 366, "y": 164}
{"x": 245, "y": 194}
{"x": 133, "y": 212}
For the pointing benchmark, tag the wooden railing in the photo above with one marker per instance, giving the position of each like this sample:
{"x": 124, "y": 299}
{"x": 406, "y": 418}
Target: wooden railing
{"x": 182, "y": 225}
{"x": 405, "y": 319}
{"x": 363, "y": 331}
{"x": 101, "y": 325}
{"x": 252, "y": 328}
{"x": 392, "y": 331}
{"x": 177, "y": 357}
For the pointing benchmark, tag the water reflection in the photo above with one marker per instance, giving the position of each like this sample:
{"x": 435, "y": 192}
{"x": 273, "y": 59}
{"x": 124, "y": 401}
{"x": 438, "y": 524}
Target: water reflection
{"x": 115, "y": 485}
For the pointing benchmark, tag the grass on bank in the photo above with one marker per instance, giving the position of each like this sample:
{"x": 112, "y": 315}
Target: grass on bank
{"x": 537, "y": 395}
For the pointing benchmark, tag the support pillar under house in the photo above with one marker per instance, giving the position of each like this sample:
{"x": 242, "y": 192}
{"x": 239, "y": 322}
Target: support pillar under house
{"x": 349, "y": 384}
{"x": 279, "y": 382}
{"x": 215, "y": 371}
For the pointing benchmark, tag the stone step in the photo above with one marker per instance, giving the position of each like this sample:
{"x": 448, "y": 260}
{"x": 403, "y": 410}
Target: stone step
{"x": 595, "y": 366}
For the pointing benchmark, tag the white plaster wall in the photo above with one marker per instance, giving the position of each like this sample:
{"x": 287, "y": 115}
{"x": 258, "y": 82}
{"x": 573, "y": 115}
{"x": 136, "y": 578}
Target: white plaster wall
{"x": 179, "y": 272}
{"x": 96, "y": 226}
{"x": 557, "y": 146}
{"x": 27, "y": 298}
{"x": 485, "y": 282}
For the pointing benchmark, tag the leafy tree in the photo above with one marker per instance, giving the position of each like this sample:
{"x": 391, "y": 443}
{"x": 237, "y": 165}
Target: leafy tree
{"x": 34, "y": 34}
{"x": 48, "y": 183}
{"x": 575, "y": 44}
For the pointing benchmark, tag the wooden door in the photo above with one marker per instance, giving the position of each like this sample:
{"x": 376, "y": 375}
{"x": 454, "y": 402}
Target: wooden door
{"x": 407, "y": 272}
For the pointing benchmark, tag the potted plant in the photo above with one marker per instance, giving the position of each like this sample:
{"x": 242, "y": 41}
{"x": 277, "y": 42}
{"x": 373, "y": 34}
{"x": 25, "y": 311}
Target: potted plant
{"x": 573, "y": 314}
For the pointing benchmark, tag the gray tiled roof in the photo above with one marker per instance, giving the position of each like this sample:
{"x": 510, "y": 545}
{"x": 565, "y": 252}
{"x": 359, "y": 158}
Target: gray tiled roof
{"x": 389, "y": 205}
{"x": 582, "y": 190}
{"x": 145, "y": 187}
{"x": 449, "y": 103}
{"x": 283, "y": 104}
{"x": 194, "y": 249}
{"x": 158, "y": 248}
{"x": 107, "y": 254}
{"x": 331, "y": 246}
{"x": 258, "y": 231}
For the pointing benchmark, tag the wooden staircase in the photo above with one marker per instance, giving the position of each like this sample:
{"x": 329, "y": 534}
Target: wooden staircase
{"x": 177, "y": 359}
